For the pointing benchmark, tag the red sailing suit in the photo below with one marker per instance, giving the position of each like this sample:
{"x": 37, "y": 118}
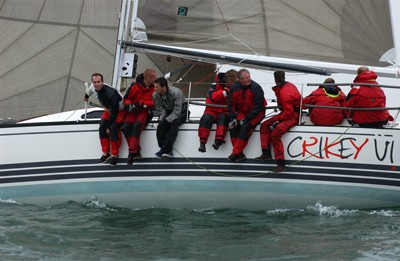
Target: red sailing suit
{"x": 111, "y": 119}
{"x": 247, "y": 104}
{"x": 326, "y": 96}
{"x": 140, "y": 96}
{"x": 218, "y": 95}
{"x": 289, "y": 98}
{"x": 367, "y": 97}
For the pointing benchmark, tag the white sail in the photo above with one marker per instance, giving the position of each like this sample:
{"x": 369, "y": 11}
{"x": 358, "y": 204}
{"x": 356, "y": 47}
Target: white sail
{"x": 355, "y": 32}
{"x": 49, "y": 49}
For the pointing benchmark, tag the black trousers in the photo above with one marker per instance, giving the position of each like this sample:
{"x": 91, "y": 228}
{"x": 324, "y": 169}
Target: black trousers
{"x": 167, "y": 133}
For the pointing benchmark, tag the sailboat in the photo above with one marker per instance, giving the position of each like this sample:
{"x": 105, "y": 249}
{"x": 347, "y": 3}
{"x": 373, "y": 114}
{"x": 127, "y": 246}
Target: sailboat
{"x": 48, "y": 162}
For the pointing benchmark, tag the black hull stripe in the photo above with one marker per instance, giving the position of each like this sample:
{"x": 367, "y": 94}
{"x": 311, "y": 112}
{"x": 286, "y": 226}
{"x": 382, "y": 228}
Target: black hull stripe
{"x": 189, "y": 173}
{"x": 222, "y": 161}
{"x": 85, "y": 169}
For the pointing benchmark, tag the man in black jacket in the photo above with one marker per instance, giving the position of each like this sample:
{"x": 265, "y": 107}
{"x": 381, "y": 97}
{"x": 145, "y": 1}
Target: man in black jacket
{"x": 111, "y": 120}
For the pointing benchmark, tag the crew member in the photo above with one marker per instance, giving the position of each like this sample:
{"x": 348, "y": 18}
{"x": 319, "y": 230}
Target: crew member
{"x": 271, "y": 130}
{"x": 172, "y": 108}
{"x": 218, "y": 95}
{"x": 111, "y": 120}
{"x": 138, "y": 102}
{"x": 367, "y": 97}
{"x": 246, "y": 106}
{"x": 326, "y": 95}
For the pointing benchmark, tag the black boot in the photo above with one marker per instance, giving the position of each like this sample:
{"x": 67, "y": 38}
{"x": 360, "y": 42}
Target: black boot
{"x": 280, "y": 166}
{"x": 265, "y": 155}
{"x": 217, "y": 144}
{"x": 202, "y": 147}
{"x": 130, "y": 159}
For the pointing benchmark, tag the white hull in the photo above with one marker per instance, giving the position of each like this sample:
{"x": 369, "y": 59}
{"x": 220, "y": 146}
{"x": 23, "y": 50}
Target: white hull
{"x": 48, "y": 164}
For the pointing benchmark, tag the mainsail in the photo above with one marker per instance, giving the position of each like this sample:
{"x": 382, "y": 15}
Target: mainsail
{"x": 340, "y": 31}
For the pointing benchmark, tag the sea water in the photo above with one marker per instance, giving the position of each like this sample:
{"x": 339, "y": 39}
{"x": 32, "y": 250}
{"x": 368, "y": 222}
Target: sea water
{"x": 97, "y": 231}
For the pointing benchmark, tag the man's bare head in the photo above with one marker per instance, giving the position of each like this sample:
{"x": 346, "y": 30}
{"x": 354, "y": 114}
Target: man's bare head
{"x": 362, "y": 69}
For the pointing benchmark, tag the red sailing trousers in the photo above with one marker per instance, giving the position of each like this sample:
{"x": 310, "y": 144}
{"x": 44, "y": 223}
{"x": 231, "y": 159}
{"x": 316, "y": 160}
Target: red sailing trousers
{"x": 206, "y": 122}
{"x": 110, "y": 142}
{"x": 133, "y": 126}
{"x": 240, "y": 134}
{"x": 268, "y": 136}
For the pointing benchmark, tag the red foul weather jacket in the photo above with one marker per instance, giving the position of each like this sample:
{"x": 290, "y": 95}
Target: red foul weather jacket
{"x": 367, "y": 97}
{"x": 246, "y": 102}
{"x": 289, "y": 98}
{"x": 217, "y": 95}
{"x": 140, "y": 95}
{"x": 326, "y": 96}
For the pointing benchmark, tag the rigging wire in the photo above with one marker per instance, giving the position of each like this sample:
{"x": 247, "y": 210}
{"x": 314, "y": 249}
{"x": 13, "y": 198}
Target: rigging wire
{"x": 222, "y": 14}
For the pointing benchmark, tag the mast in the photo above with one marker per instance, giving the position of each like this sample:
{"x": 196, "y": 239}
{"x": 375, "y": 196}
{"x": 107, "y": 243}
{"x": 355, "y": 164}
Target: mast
{"x": 119, "y": 51}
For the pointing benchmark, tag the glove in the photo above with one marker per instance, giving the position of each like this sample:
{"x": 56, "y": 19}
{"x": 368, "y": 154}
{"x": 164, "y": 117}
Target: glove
{"x": 274, "y": 125}
{"x": 131, "y": 107}
{"x": 226, "y": 91}
{"x": 351, "y": 122}
{"x": 140, "y": 105}
{"x": 243, "y": 121}
{"x": 232, "y": 124}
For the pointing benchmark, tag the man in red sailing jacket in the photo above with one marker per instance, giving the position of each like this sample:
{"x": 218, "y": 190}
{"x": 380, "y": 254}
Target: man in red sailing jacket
{"x": 111, "y": 120}
{"x": 271, "y": 130}
{"x": 218, "y": 95}
{"x": 326, "y": 95}
{"x": 138, "y": 102}
{"x": 367, "y": 97}
{"x": 246, "y": 106}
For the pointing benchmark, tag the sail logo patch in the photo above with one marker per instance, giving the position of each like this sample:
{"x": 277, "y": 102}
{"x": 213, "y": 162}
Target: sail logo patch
{"x": 183, "y": 10}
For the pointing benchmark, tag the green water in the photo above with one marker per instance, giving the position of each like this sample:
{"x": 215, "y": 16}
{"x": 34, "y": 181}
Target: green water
{"x": 95, "y": 231}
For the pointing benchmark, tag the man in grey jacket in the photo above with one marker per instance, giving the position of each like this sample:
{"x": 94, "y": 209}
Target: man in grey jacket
{"x": 171, "y": 105}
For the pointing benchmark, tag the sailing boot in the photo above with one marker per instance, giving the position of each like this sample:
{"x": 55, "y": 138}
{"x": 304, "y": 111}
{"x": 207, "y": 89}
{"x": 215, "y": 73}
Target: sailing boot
{"x": 202, "y": 147}
{"x": 265, "y": 155}
{"x": 130, "y": 159}
{"x": 237, "y": 157}
{"x": 104, "y": 158}
{"x": 280, "y": 166}
{"x": 217, "y": 144}
{"x": 114, "y": 160}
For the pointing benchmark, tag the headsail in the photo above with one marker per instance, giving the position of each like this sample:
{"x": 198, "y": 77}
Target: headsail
{"x": 48, "y": 49}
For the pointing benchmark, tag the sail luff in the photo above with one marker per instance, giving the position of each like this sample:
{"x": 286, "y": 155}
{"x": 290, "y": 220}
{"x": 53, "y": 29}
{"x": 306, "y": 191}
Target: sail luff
{"x": 395, "y": 19}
